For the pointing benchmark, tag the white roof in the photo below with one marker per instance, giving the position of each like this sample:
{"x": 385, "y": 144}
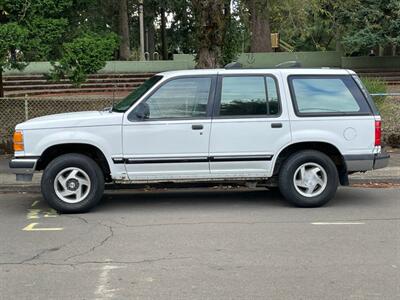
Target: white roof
{"x": 284, "y": 72}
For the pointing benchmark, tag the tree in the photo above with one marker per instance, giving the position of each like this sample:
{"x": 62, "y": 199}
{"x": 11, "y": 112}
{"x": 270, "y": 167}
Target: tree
{"x": 374, "y": 24}
{"x": 84, "y": 55}
{"x": 124, "y": 47}
{"x": 44, "y": 19}
{"x": 259, "y": 25}
{"x": 13, "y": 38}
{"x": 234, "y": 30}
{"x": 210, "y": 25}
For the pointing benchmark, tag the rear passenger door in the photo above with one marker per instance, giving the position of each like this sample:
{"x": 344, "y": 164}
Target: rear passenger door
{"x": 249, "y": 126}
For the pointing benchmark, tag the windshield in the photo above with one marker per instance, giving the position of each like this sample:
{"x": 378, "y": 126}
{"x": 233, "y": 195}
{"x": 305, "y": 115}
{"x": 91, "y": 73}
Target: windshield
{"x": 136, "y": 94}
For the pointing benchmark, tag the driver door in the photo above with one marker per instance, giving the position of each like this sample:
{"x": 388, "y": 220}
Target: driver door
{"x": 167, "y": 135}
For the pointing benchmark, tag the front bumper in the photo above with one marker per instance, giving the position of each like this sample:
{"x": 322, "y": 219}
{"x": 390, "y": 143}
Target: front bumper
{"x": 23, "y": 168}
{"x": 366, "y": 162}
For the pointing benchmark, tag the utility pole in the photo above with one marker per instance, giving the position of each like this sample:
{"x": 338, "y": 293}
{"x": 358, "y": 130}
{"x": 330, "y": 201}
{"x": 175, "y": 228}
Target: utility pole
{"x": 141, "y": 25}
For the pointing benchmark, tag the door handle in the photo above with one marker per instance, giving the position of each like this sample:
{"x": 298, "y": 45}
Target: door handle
{"x": 276, "y": 125}
{"x": 197, "y": 127}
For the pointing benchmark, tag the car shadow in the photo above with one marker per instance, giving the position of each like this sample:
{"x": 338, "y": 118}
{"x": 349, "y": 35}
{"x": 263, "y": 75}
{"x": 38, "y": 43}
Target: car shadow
{"x": 189, "y": 198}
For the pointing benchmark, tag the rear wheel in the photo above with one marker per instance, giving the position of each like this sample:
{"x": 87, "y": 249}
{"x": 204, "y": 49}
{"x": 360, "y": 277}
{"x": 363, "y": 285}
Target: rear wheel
{"x": 308, "y": 179}
{"x": 72, "y": 183}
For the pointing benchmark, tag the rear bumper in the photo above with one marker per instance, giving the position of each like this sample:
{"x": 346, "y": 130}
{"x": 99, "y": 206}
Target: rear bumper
{"x": 366, "y": 162}
{"x": 381, "y": 160}
{"x": 23, "y": 168}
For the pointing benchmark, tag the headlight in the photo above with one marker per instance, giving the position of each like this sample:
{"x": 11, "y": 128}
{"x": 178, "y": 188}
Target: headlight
{"x": 18, "y": 141}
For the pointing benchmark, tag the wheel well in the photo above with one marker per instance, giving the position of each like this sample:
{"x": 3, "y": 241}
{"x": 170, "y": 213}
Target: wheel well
{"x": 326, "y": 148}
{"x": 89, "y": 150}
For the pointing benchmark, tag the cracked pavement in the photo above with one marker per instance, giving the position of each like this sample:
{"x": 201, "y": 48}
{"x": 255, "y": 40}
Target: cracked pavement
{"x": 204, "y": 244}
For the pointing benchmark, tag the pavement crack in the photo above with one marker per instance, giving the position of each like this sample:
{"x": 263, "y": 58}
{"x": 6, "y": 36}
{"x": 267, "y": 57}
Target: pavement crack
{"x": 94, "y": 262}
{"x": 100, "y": 244}
{"x": 40, "y": 253}
{"x": 36, "y": 256}
{"x": 77, "y": 217}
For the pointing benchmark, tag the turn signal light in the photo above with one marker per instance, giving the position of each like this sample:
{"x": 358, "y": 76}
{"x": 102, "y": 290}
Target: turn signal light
{"x": 18, "y": 141}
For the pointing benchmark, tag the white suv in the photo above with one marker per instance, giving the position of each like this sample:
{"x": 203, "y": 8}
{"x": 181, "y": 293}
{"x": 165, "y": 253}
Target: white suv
{"x": 304, "y": 130}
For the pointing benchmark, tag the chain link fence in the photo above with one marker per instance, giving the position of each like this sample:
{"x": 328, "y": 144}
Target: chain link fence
{"x": 18, "y": 110}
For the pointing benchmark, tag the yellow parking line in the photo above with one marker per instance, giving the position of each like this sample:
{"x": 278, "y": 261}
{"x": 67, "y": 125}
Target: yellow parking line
{"x": 33, "y": 214}
{"x": 31, "y": 227}
{"x": 51, "y": 213}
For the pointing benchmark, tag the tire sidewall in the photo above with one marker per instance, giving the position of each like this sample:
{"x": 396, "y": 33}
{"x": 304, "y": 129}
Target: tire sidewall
{"x": 289, "y": 168}
{"x": 72, "y": 160}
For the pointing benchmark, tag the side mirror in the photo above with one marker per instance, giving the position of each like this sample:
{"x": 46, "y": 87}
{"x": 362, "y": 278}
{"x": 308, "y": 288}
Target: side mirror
{"x": 142, "y": 111}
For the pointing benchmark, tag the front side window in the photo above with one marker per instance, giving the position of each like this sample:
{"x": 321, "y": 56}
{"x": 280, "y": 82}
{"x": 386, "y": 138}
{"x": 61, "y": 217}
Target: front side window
{"x": 249, "y": 96}
{"x": 327, "y": 95}
{"x": 178, "y": 98}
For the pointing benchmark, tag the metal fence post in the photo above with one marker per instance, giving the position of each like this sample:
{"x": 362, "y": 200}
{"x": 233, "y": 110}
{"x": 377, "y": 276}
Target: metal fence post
{"x": 26, "y": 110}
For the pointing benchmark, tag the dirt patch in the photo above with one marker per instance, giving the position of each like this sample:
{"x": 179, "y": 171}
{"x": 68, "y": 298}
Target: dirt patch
{"x": 376, "y": 185}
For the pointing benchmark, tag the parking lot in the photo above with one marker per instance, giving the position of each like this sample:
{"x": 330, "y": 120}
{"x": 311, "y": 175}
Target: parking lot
{"x": 207, "y": 244}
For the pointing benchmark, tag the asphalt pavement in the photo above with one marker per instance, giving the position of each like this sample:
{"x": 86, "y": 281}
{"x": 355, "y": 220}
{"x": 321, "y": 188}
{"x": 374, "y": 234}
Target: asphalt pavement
{"x": 202, "y": 245}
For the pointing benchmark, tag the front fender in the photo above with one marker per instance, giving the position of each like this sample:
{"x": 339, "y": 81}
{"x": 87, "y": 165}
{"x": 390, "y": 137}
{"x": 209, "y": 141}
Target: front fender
{"x": 109, "y": 141}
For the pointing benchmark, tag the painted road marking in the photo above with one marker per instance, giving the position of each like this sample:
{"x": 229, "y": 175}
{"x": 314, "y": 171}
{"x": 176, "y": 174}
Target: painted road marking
{"x": 51, "y": 213}
{"x": 338, "y": 223}
{"x": 103, "y": 290}
{"x": 31, "y": 227}
{"x": 33, "y": 214}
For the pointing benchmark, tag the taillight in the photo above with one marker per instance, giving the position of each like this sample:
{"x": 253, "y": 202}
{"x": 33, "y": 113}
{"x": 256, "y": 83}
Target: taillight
{"x": 18, "y": 140}
{"x": 378, "y": 133}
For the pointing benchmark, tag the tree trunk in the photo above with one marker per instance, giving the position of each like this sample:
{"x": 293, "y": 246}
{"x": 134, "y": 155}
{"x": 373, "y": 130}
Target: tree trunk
{"x": 151, "y": 42}
{"x": 209, "y": 19}
{"x": 124, "y": 47}
{"x": 1, "y": 83}
{"x": 164, "y": 47}
{"x": 259, "y": 26}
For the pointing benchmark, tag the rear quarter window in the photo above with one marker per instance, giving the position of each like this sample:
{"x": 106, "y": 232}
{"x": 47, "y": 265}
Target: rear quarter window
{"x": 318, "y": 95}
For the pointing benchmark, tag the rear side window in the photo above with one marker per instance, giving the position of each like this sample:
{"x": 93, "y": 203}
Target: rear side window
{"x": 249, "y": 96}
{"x": 327, "y": 95}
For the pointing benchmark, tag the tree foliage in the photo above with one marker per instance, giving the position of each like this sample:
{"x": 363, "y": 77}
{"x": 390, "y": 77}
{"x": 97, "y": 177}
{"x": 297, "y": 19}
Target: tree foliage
{"x": 84, "y": 55}
{"x": 217, "y": 31}
{"x": 373, "y": 24}
{"x": 12, "y": 38}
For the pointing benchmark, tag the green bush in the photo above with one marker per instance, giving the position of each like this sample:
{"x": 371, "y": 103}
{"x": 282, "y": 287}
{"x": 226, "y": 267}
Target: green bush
{"x": 83, "y": 56}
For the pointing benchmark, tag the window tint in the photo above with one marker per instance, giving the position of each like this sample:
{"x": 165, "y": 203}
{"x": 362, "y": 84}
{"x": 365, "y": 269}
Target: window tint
{"x": 325, "y": 95}
{"x": 248, "y": 95}
{"x": 180, "y": 98}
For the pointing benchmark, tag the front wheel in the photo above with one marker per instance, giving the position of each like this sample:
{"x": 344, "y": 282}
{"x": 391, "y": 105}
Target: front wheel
{"x": 308, "y": 179}
{"x": 72, "y": 183}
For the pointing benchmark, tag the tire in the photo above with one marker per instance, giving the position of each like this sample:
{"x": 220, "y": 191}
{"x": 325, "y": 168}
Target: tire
{"x": 72, "y": 183}
{"x": 311, "y": 186}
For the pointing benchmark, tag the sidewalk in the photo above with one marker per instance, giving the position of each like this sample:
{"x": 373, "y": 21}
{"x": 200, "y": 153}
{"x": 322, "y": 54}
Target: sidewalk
{"x": 391, "y": 174}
